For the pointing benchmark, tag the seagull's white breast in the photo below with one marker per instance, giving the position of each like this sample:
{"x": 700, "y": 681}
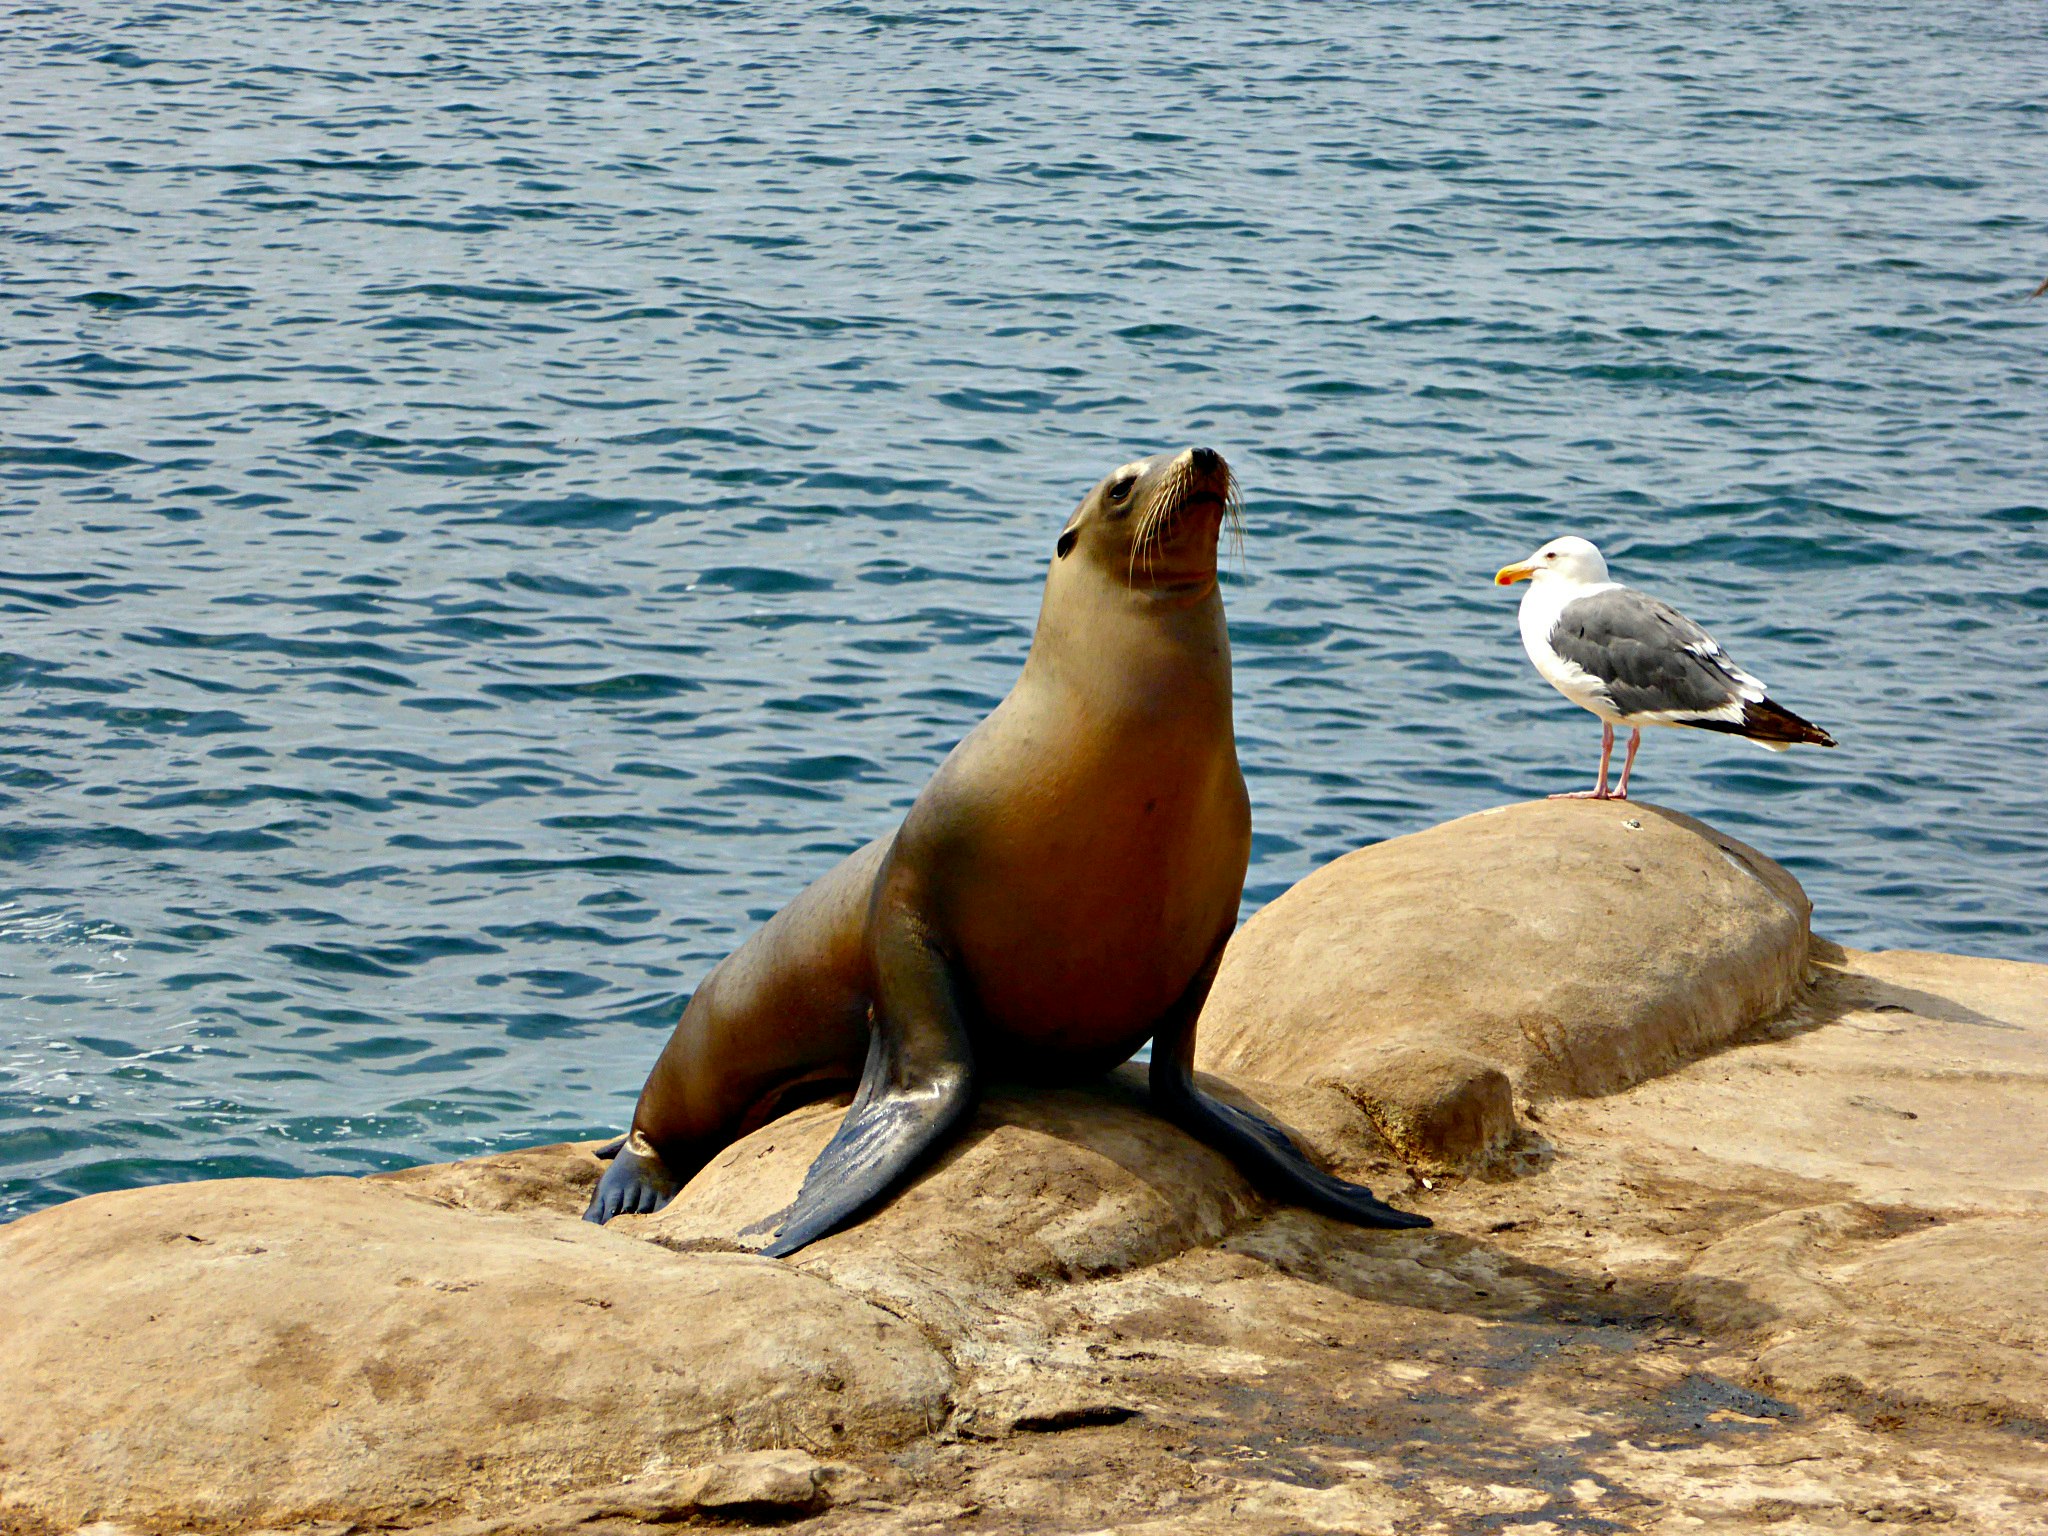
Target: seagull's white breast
{"x": 1541, "y": 604}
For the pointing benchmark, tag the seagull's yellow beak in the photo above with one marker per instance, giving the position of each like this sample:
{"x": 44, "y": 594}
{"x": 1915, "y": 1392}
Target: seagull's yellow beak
{"x": 1508, "y": 575}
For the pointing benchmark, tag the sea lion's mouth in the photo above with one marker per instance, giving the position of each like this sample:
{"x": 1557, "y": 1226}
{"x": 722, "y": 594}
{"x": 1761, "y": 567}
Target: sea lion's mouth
{"x": 1174, "y": 546}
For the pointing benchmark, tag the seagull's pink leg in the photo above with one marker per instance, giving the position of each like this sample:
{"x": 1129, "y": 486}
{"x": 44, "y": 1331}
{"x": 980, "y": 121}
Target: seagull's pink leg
{"x": 1635, "y": 739}
{"x": 1606, "y": 753}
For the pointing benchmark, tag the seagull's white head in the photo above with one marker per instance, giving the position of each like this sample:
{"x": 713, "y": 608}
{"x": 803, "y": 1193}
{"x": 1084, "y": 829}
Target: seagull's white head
{"x": 1571, "y": 560}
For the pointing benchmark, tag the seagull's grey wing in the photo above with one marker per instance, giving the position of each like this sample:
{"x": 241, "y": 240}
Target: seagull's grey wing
{"x": 1650, "y": 658}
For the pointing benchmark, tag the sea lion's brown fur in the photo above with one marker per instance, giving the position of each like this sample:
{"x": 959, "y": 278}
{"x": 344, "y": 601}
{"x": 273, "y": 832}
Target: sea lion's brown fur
{"x": 1058, "y": 894}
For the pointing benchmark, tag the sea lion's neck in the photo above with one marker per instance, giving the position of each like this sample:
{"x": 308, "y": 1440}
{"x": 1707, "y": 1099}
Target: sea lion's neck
{"x": 1118, "y": 651}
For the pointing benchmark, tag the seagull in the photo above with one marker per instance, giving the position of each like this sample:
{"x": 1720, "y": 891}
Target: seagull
{"x": 1635, "y": 661}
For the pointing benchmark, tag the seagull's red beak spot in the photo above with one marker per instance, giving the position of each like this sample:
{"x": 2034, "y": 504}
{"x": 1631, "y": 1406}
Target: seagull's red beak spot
{"x": 1508, "y": 575}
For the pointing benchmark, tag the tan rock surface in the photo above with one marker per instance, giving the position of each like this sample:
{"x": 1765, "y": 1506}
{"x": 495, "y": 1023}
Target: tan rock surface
{"x": 1785, "y": 1286}
{"x": 1888, "y": 1308}
{"x": 1576, "y": 946}
{"x": 257, "y": 1352}
{"x": 1042, "y": 1188}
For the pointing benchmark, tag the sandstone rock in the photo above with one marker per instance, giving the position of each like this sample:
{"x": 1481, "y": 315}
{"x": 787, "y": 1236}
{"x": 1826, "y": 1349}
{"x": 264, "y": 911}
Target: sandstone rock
{"x": 1889, "y": 1307}
{"x": 531, "y": 1179}
{"x": 1436, "y": 1106}
{"x": 1575, "y": 946}
{"x": 1041, "y": 1187}
{"x": 1900, "y": 1079}
{"x": 1043, "y": 1402}
{"x": 755, "y": 1486}
{"x": 413, "y": 1344}
{"x": 267, "y": 1352}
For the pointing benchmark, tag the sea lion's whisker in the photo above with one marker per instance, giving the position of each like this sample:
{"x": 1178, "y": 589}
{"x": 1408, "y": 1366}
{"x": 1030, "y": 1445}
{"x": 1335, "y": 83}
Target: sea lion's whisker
{"x": 1147, "y": 538}
{"x": 1161, "y": 517}
{"x": 1160, "y": 520}
{"x": 1233, "y": 518}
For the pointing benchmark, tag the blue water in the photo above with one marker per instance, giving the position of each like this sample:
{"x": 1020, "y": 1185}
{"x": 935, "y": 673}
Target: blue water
{"x": 493, "y": 499}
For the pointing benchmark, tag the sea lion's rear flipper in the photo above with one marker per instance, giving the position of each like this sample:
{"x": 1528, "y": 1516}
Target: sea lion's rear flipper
{"x": 1266, "y": 1154}
{"x": 1271, "y": 1160}
{"x": 918, "y": 1082}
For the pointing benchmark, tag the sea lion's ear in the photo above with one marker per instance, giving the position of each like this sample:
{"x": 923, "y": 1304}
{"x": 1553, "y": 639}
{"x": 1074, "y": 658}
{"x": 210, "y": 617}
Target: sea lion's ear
{"x": 1065, "y": 547}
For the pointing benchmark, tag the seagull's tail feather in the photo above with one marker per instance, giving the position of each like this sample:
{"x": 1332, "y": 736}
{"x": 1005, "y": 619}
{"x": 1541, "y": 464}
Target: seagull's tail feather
{"x": 1770, "y": 725}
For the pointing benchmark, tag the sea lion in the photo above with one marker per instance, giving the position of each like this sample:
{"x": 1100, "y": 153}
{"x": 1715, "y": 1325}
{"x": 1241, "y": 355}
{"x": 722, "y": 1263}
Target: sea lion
{"x": 1058, "y": 894}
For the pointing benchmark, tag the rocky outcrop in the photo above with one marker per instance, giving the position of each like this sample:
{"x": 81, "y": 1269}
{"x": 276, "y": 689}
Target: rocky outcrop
{"x": 1040, "y": 1189}
{"x": 1888, "y": 1308}
{"x": 265, "y": 1352}
{"x": 1788, "y": 1283}
{"x": 454, "y": 1340}
{"x": 1555, "y": 947}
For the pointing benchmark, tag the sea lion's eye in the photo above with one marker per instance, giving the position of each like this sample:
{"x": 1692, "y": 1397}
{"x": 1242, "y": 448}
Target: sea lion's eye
{"x": 1122, "y": 488}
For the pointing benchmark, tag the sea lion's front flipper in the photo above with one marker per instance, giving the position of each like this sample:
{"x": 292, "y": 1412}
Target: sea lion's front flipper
{"x": 637, "y": 1181}
{"x": 1266, "y": 1154}
{"x": 918, "y": 1082}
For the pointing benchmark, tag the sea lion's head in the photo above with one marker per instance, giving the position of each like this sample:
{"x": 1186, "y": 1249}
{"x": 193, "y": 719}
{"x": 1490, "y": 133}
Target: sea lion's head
{"x": 1154, "y": 524}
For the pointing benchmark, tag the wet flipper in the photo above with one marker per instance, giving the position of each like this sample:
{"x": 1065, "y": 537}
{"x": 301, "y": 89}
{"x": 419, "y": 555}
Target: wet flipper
{"x": 1266, "y": 1154}
{"x": 918, "y": 1083}
{"x": 1270, "y": 1159}
{"x": 636, "y": 1183}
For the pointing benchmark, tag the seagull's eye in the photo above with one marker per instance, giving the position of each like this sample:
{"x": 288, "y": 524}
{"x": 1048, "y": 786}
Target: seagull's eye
{"x": 1550, "y": 554}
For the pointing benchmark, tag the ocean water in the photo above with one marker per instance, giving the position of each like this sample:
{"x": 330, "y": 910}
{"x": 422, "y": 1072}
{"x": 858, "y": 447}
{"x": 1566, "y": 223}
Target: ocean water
{"x": 493, "y": 499}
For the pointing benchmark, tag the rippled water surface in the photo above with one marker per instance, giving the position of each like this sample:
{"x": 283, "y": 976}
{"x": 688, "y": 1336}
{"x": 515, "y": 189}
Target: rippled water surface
{"x": 494, "y": 498}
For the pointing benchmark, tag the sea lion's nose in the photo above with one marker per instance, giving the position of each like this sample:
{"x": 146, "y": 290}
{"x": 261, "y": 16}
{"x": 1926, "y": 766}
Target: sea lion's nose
{"x": 1207, "y": 460}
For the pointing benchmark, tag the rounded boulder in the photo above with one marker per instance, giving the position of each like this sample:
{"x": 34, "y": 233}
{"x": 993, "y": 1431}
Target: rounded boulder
{"x": 1574, "y": 946}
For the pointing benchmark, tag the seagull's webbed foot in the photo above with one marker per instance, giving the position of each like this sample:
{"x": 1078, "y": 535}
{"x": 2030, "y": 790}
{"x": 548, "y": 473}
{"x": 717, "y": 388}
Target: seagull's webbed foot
{"x": 1600, "y": 791}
